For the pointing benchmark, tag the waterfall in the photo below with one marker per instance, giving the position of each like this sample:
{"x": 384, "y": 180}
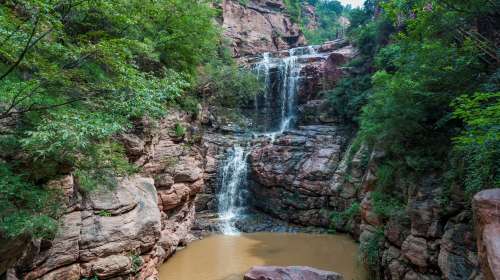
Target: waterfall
{"x": 288, "y": 69}
{"x": 277, "y": 106}
{"x": 231, "y": 194}
{"x": 290, "y": 74}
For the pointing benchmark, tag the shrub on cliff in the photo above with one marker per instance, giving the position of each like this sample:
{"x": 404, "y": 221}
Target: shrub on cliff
{"x": 73, "y": 74}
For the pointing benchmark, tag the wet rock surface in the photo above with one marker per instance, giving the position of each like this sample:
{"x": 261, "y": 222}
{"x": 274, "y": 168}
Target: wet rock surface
{"x": 290, "y": 273}
{"x": 292, "y": 175}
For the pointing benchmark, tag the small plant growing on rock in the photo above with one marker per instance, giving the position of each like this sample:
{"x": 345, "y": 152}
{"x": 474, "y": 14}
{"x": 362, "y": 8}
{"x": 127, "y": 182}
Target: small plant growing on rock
{"x": 104, "y": 213}
{"x": 179, "y": 130}
{"x": 95, "y": 277}
{"x": 342, "y": 217}
{"x": 371, "y": 250}
{"x": 136, "y": 261}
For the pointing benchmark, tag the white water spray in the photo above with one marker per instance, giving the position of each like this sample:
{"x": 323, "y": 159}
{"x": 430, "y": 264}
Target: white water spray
{"x": 230, "y": 197}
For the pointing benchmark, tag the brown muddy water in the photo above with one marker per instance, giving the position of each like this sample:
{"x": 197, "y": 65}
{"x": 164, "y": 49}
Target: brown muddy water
{"x": 228, "y": 257}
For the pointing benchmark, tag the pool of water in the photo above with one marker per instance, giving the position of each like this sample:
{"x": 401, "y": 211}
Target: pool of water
{"x": 228, "y": 257}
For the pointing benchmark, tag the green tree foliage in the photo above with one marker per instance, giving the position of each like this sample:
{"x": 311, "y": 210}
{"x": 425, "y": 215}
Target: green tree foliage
{"x": 412, "y": 89}
{"x": 479, "y": 143}
{"x": 24, "y": 208}
{"x": 328, "y": 13}
{"x": 73, "y": 74}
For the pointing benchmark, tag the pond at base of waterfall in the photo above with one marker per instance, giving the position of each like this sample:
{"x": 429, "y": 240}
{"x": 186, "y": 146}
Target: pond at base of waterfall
{"x": 228, "y": 257}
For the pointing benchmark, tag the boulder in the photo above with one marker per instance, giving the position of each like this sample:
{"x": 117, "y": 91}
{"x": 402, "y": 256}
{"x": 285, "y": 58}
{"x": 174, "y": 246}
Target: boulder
{"x": 416, "y": 250}
{"x": 290, "y": 273}
{"x": 97, "y": 239}
{"x": 486, "y": 205}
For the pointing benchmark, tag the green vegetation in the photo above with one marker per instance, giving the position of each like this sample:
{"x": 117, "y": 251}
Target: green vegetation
{"x": 426, "y": 92}
{"x": 371, "y": 250}
{"x": 25, "y": 208}
{"x": 136, "y": 262}
{"x": 479, "y": 143}
{"x": 73, "y": 75}
{"x": 351, "y": 213}
{"x": 104, "y": 213}
{"x": 179, "y": 130}
{"x": 327, "y": 14}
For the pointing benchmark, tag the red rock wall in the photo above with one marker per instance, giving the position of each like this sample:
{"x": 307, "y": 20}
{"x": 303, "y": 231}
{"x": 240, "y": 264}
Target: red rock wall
{"x": 259, "y": 26}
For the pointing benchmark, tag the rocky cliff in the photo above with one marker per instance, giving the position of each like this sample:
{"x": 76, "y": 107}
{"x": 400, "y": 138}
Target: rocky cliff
{"x": 258, "y": 26}
{"x": 127, "y": 231}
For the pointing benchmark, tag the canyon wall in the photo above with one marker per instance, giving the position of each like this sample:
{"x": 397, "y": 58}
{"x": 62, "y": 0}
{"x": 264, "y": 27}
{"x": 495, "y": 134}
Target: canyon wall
{"x": 258, "y": 26}
{"x": 127, "y": 231}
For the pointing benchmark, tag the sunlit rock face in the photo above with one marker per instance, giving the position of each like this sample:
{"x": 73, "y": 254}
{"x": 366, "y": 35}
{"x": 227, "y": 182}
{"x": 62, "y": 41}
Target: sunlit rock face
{"x": 127, "y": 231}
{"x": 99, "y": 234}
{"x": 487, "y": 217}
{"x": 259, "y": 26}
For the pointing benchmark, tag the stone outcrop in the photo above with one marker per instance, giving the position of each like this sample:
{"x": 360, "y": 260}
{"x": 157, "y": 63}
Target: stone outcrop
{"x": 127, "y": 231}
{"x": 293, "y": 174}
{"x": 487, "y": 218}
{"x": 106, "y": 230}
{"x": 290, "y": 272}
{"x": 259, "y": 26}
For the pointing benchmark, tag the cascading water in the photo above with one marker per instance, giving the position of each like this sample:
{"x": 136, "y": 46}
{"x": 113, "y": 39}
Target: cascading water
{"x": 281, "y": 76}
{"x": 290, "y": 74}
{"x": 231, "y": 193}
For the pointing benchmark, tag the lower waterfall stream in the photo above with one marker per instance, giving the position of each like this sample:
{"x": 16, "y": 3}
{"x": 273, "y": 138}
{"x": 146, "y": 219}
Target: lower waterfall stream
{"x": 230, "y": 197}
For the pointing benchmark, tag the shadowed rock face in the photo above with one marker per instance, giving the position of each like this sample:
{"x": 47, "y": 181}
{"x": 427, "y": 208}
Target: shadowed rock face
{"x": 487, "y": 217}
{"x": 290, "y": 273}
{"x": 293, "y": 175}
{"x": 259, "y": 26}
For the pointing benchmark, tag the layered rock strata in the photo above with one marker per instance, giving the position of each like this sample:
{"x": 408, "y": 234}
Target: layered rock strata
{"x": 259, "y": 26}
{"x": 127, "y": 231}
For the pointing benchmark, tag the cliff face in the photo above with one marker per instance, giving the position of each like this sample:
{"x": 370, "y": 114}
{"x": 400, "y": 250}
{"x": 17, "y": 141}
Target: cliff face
{"x": 259, "y": 26}
{"x": 125, "y": 232}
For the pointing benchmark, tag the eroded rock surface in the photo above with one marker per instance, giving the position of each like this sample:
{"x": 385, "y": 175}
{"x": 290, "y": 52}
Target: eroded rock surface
{"x": 290, "y": 273}
{"x": 487, "y": 217}
{"x": 106, "y": 230}
{"x": 259, "y": 26}
{"x": 127, "y": 231}
{"x": 293, "y": 175}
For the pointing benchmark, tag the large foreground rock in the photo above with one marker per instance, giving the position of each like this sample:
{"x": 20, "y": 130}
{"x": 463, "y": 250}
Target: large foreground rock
{"x": 487, "y": 216}
{"x": 290, "y": 273}
{"x": 127, "y": 231}
{"x": 108, "y": 230}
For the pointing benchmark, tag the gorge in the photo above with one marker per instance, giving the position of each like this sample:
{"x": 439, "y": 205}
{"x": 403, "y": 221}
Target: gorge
{"x": 360, "y": 142}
